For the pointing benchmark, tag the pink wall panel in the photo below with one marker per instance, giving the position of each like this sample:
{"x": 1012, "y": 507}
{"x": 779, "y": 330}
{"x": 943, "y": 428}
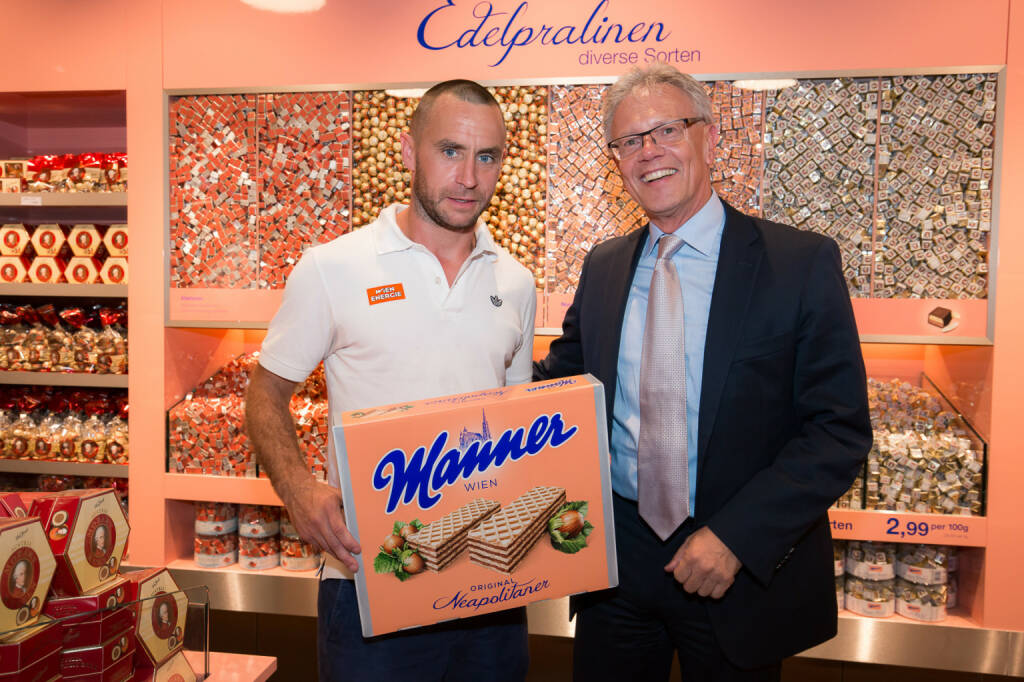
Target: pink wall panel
{"x": 358, "y": 42}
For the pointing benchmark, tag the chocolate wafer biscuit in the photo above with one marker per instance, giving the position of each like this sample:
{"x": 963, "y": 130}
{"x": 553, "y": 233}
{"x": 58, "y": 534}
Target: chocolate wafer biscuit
{"x": 502, "y": 540}
{"x": 444, "y": 539}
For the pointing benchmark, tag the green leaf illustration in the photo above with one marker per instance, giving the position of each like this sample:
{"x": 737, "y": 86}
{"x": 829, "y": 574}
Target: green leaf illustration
{"x": 386, "y": 563}
{"x": 572, "y": 545}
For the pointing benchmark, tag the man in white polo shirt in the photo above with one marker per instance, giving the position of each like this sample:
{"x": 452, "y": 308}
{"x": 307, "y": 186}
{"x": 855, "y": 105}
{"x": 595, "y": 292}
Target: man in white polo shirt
{"x": 417, "y": 304}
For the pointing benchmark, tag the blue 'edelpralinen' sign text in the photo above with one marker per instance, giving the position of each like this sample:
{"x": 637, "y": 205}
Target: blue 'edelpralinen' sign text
{"x": 489, "y": 27}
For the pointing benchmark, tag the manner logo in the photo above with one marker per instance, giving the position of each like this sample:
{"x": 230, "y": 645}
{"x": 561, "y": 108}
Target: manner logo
{"x": 423, "y": 474}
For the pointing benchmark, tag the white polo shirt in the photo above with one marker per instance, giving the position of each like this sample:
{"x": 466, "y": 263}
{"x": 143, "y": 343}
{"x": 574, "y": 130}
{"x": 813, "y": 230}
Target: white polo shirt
{"x": 376, "y": 308}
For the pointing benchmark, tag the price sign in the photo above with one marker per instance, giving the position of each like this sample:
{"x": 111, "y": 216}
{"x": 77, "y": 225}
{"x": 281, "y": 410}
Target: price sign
{"x": 901, "y": 528}
{"x": 932, "y": 529}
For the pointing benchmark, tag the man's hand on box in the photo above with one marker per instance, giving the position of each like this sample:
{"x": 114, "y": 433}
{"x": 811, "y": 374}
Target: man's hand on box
{"x": 703, "y": 564}
{"x": 315, "y": 509}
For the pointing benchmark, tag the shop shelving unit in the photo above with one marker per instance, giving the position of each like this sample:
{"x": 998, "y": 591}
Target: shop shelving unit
{"x": 48, "y": 123}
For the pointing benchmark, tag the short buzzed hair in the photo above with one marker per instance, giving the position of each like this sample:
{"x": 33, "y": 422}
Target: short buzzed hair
{"x": 646, "y": 79}
{"x": 465, "y": 90}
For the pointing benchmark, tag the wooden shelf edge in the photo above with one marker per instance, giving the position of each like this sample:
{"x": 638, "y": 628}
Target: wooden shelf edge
{"x": 64, "y": 468}
{"x": 65, "y": 290}
{"x": 65, "y": 379}
{"x": 37, "y": 199}
{"x": 892, "y": 526}
{"x": 237, "y": 570}
{"x": 216, "y": 324}
{"x": 203, "y": 488}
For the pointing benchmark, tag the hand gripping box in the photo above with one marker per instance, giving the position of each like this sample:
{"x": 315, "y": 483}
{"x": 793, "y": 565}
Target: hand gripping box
{"x": 27, "y": 566}
{"x": 479, "y": 502}
{"x": 163, "y": 609}
{"x": 88, "y": 532}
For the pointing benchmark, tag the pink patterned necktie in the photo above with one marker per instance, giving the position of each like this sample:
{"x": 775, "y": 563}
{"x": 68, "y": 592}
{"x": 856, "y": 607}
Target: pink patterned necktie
{"x": 662, "y": 477}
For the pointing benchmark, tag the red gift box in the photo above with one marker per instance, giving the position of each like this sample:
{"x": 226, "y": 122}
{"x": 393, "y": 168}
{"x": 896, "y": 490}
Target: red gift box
{"x": 174, "y": 669}
{"x": 26, "y": 570}
{"x": 162, "y": 610}
{"x": 88, "y": 532}
{"x": 116, "y": 240}
{"x": 14, "y": 239}
{"x": 13, "y": 269}
{"x": 84, "y": 240}
{"x": 12, "y": 506}
{"x": 106, "y": 596}
{"x": 82, "y": 270}
{"x": 114, "y": 271}
{"x": 46, "y": 669}
{"x": 93, "y": 660}
{"x": 99, "y": 627}
{"x": 24, "y": 648}
{"x": 45, "y": 270}
{"x": 47, "y": 240}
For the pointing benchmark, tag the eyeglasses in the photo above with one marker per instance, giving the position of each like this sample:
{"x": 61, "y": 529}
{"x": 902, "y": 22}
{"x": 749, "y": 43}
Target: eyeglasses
{"x": 666, "y": 133}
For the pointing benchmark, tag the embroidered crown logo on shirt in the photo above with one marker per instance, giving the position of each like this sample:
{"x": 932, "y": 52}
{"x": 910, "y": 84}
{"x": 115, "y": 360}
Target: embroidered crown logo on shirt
{"x": 383, "y": 294}
{"x": 496, "y": 302}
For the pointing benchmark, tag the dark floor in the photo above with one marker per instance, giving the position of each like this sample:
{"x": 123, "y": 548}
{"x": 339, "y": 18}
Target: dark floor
{"x": 293, "y": 641}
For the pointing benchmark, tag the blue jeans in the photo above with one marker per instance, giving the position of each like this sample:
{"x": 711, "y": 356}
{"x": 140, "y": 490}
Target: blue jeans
{"x": 488, "y": 647}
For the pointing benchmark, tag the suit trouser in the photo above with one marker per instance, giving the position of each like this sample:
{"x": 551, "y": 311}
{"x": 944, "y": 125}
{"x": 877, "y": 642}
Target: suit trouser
{"x": 633, "y": 630}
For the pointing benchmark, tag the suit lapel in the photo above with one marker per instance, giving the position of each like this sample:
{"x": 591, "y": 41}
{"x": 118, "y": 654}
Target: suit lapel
{"x": 738, "y": 261}
{"x": 618, "y": 278}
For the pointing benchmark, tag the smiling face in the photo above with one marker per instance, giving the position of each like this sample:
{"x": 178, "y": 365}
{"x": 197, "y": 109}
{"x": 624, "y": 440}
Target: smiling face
{"x": 455, "y": 160}
{"x": 671, "y": 182}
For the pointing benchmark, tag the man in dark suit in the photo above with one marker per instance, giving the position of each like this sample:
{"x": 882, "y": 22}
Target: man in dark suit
{"x": 732, "y": 566}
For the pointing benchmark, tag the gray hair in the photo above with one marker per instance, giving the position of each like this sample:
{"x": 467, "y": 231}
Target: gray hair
{"x": 647, "y": 78}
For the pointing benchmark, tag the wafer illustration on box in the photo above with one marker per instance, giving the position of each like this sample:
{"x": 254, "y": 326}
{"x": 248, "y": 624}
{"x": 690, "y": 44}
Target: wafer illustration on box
{"x": 502, "y": 540}
{"x": 443, "y": 540}
{"x": 450, "y": 498}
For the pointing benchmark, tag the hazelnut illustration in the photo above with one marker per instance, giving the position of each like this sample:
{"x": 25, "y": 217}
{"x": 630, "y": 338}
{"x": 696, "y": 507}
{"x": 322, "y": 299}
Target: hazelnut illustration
{"x": 572, "y": 524}
{"x": 413, "y": 564}
{"x": 393, "y": 542}
{"x": 407, "y": 530}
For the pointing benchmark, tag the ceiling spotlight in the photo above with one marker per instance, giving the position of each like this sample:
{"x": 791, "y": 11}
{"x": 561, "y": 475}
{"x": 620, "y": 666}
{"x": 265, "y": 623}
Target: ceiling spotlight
{"x": 410, "y": 93}
{"x": 286, "y": 6}
{"x": 764, "y": 83}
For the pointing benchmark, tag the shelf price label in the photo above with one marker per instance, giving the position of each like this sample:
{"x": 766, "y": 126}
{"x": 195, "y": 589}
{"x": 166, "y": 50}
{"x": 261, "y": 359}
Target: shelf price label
{"x": 901, "y": 528}
{"x": 934, "y": 529}
{"x": 29, "y": 200}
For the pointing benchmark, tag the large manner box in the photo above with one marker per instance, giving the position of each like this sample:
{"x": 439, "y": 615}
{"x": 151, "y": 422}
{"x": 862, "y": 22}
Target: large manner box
{"x": 478, "y": 502}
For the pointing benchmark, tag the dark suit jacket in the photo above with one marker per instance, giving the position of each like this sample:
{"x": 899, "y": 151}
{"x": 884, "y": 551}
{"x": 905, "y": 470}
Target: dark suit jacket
{"x": 783, "y": 424}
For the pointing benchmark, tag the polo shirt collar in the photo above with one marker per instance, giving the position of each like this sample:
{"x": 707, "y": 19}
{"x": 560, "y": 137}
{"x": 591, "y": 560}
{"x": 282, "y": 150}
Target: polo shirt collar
{"x": 389, "y": 238}
{"x": 702, "y": 231}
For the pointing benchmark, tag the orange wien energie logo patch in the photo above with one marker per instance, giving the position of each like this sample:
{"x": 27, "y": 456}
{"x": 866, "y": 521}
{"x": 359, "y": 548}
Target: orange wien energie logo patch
{"x": 388, "y": 292}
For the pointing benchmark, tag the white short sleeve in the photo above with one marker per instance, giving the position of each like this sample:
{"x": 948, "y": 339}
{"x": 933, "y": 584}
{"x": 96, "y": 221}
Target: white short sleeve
{"x": 301, "y": 333}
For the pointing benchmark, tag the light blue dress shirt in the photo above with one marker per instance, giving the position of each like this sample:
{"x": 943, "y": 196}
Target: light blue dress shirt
{"x": 696, "y": 262}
